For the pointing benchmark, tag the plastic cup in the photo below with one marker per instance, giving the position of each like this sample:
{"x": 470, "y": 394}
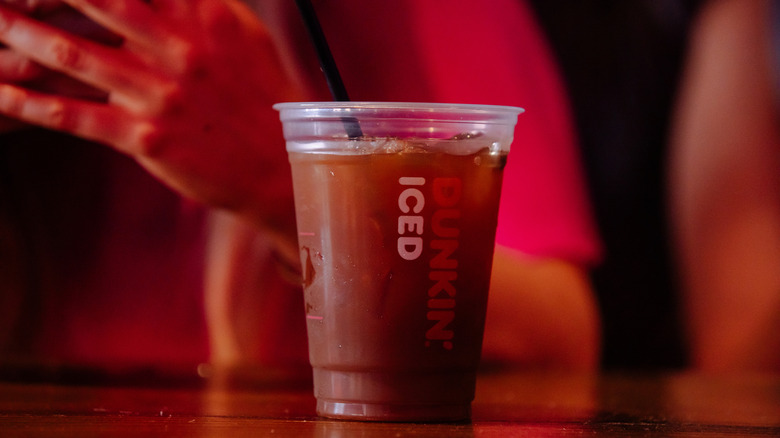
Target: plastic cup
{"x": 396, "y": 231}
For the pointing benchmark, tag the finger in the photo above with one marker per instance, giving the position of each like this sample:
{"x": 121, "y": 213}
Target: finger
{"x": 93, "y": 121}
{"x": 133, "y": 19}
{"x": 103, "y": 67}
{"x": 15, "y": 67}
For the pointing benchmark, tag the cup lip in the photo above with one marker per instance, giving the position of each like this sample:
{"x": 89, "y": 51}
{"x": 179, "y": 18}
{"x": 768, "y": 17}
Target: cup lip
{"x": 349, "y": 106}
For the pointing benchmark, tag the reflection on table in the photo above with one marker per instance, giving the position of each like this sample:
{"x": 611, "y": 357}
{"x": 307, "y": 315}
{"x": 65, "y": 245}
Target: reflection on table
{"x": 507, "y": 404}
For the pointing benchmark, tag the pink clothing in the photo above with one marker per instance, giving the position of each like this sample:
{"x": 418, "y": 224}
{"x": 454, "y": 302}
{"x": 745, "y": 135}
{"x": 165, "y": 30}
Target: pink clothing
{"x": 472, "y": 52}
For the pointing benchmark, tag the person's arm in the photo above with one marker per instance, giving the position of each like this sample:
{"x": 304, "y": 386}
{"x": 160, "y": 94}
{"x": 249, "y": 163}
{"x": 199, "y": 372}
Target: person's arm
{"x": 541, "y": 314}
{"x": 725, "y": 188}
{"x": 253, "y": 300}
{"x": 189, "y": 92}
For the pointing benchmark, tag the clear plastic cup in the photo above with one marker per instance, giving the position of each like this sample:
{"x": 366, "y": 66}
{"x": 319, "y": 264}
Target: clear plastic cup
{"x": 396, "y": 229}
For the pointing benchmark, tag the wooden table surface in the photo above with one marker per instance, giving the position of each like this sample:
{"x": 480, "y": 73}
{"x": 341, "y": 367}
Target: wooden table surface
{"x": 507, "y": 404}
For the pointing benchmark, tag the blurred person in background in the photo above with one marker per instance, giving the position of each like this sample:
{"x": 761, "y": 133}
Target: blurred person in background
{"x": 157, "y": 228}
{"x": 725, "y": 187}
{"x": 622, "y": 63}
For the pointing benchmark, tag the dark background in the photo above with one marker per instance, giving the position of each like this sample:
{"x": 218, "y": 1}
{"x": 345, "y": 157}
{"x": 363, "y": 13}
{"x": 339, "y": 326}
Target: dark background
{"x": 621, "y": 61}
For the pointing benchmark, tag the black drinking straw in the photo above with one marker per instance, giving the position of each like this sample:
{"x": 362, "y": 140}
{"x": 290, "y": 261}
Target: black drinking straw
{"x": 327, "y": 64}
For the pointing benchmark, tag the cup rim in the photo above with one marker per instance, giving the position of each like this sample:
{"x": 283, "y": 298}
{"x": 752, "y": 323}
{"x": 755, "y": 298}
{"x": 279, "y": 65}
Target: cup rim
{"x": 349, "y": 106}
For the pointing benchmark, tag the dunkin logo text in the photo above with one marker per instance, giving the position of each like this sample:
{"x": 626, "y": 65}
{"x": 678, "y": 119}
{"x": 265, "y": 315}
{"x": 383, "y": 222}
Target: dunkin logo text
{"x": 446, "y": 194}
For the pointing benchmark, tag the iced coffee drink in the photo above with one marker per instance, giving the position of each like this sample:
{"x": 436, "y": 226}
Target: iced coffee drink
{"x": 396, "y": 232}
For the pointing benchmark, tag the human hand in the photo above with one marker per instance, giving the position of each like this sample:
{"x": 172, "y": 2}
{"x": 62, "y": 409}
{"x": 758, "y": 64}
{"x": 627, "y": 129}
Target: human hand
{"x": 19, "y": 69}
{"x": 13, "y": 66}
{"x": 189, "y": 96}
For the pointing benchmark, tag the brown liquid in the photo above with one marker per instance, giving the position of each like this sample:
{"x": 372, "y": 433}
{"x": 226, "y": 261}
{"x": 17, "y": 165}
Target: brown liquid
{"x": 395, "y": 317}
